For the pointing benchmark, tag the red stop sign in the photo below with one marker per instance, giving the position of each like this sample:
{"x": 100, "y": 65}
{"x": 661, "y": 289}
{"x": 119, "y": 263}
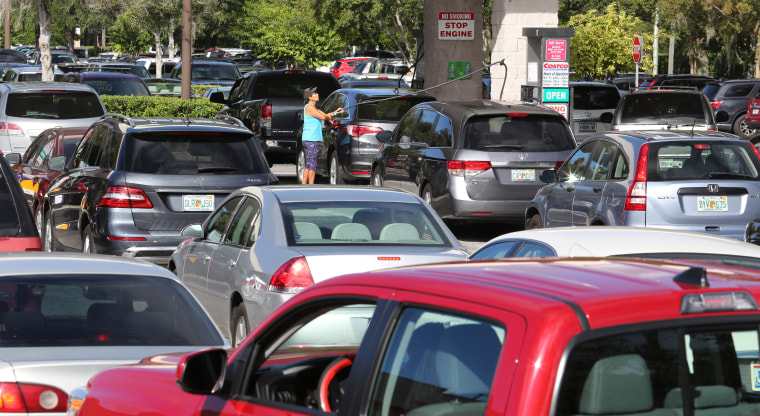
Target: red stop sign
{"x": 637, "y": 49}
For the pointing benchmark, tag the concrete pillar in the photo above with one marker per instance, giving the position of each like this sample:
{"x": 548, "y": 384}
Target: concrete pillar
{"x": 447, "y": 55}
{"x": 508, "y": 19}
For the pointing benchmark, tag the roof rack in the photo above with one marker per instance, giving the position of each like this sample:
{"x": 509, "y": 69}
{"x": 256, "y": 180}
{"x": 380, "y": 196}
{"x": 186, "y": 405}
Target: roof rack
{"x": 121, "y": 118}
{"x": 667, "y": 87}
{"x": 230, "y": 119}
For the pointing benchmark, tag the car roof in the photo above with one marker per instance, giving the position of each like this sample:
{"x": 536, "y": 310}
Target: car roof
{"x": 389, "y": 92}
{"x": 42, "y": 86}
{"x": 329, "y": 193}
{"x": 661, "y": 135}
{"x": 459, "y": 107}
{"x": 157, "y": 124}
{"x": 600, "y": 292}
{"x": 620, "y": 240}
{"x": 17, "y": 264}
{"x": 101, "y": 75}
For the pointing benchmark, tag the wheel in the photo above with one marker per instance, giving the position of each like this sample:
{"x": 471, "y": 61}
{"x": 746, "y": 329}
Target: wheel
{"x": 39, "y": 222}
{"x": 377, "y": 179}
{"x": 239, "y": 324}
{"x": 427, "y": 194}
{"x": 300, "y": 165}
{"x": 741, "y": 129}
{"x": 47, "y": 236}
{"x": 88, "y": 241}
{"x": 533, "y": 223}
{"x": 331, "y": 393}
{"x": 335, "y": 177}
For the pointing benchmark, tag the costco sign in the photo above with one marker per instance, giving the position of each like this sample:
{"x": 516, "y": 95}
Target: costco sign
{"x": 456, "y": 26}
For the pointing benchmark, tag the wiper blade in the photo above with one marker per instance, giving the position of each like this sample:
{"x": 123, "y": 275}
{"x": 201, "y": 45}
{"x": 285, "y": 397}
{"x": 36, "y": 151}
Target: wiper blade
{"x": 728, "y": 175}
{"x": 504, "y": 146}
{"x": 216, "y": 169}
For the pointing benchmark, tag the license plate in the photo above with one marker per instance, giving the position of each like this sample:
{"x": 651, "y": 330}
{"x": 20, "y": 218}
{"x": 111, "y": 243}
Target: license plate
{"x": 197, "y": 202}
{"x": 712, "y": 203}
{"x": 523, "y": 174}
{"x": 587, "y": 127}
{"x": 755, "y": 111}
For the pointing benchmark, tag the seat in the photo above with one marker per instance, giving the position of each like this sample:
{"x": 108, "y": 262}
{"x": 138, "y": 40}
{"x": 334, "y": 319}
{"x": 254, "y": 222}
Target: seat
{"x": 105, "y": 315}
{"x": 23, "y": 325}
{"x": 466, "y": 360}
{"x": 152, "y": 89}
{"x": 705, "y": 397}
{"x": 351, "y": 232}
{"x": 307, "y": 231}
{"x": 693, "y": 167}
{"x": 714, "y": 163}
{"x": 373, "y": 219}
{"x": 399, "y": 231}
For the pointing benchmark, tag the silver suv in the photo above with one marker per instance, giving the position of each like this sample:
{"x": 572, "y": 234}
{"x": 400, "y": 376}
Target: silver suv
{"x": 29, "y": 108}
{"x": 660, "y": 109}
{"x": 692, "y": 181}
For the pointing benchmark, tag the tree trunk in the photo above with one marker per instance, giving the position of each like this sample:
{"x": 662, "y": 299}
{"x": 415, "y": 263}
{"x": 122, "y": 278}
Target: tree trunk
{"x": 757, "y": 51}
{"x": 159, "y": 57}
{"x": 171, "y": 39}
{"x": 43, "y": 17}
{"x": 68, "y": 34}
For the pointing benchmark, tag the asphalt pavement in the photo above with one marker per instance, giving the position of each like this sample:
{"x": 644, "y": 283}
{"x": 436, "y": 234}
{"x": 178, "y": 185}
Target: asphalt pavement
{"x": 471, "y": 236}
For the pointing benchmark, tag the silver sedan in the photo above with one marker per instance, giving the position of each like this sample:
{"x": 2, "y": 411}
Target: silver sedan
{"x": 66, "y": 316}
{"x": 264, "y": 244}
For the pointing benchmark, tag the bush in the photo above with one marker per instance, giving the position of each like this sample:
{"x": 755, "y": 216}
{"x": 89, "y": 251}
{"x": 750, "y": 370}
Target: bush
{"x": 160, "y": 106}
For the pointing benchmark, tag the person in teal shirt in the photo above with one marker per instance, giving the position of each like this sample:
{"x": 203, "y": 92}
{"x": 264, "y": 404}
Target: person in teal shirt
{"x": 312, "y": 132}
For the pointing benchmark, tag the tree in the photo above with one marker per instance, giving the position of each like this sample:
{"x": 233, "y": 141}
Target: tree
{"x": 128, "y": 37}
{"x": 46, "y": 31}
{"x": 155, "y": 17}
{"x": 603, "y": 43}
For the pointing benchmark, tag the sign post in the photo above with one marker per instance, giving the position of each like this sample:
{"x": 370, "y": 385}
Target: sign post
{"x": 637, "y": 40}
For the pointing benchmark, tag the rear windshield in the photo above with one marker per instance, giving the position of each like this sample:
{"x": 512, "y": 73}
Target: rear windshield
{"x": 54, "y": 105}
{"x": 385, "y": 109}
{"x": 284, "y": 85}
{"x": 67, "y": 310}
{"x": 118, "y": 86}
{"x": 698, "y": 160}
{"x": 518, "y": 132}
{"x": 215, "y": 72}
{"x": 639, "y": 108}
{"x": 193, "y": 153}
{"x": 595, "y": 97}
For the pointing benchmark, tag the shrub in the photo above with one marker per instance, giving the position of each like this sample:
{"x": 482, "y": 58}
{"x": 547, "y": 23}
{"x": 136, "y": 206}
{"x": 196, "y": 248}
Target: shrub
{"x": 132, "y": 106}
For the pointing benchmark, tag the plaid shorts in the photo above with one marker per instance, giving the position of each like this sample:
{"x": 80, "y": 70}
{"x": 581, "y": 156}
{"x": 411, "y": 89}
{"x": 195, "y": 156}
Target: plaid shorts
{"x": 311, "y": 149}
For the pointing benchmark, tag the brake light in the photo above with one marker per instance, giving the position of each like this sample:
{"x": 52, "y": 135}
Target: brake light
{"x": 294, "y": 72}
{"x": 292, "y": 276}
{"x": 636, "y": 198}
{"x": 266, "y": 116}
{"x": 467, "y": 167}
{"x": 31, "y": 398}
{"x": 124, "y": 197}
{"x": 716, "y": 103}
{"x": 517, "y": 114}
{"x": 559, "y": 164}
{"x": 356, "y": 131}
{"x": 11, "y": 129}
{"x": 702, "y": 146}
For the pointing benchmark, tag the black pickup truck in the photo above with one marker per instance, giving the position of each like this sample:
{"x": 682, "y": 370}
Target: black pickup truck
{"x": 270, "y": 103}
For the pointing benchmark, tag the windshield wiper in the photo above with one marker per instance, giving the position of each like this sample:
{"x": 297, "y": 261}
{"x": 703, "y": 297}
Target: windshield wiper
{"x": 728, "y": 175}
{"x": 504, "y": 146}
{"x": 216, "y": 169}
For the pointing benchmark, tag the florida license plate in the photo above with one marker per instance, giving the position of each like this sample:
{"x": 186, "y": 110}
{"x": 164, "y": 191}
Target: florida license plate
{"x": 197, "y": 202}
{"x": 523, "y": 175}
{"x": 587, "y": 127}
{"x": 712, "y": 203}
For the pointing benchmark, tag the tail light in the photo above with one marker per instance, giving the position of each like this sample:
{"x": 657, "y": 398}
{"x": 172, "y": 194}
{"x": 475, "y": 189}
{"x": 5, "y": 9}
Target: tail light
{"x": 31, "y": 398}
{"x": 266, "y": 116}
{"x": 124, "y": 197}
{"x": 467, "y": 168}
{"x": 292, "y": 276}
{"x": 11, "y": 129}
{"x": 356, "y": 131}
{"x": 716, "y": 103}
{"x": 636, "y": 198}
{"x": 559, "y": 164}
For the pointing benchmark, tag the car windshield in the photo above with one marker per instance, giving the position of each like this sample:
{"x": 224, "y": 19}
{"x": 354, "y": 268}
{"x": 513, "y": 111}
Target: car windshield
{"x": 662, "y": 108}
{"x": 216, "y": 72}
{"x": 79, "y": 310}
{"x": 54, "y": 104}
{"x": 192, "y": 153}
{"x": 360, "y": 223}
{"x": 118, "y": 86}
{"x": 62, "y": 58}
{"x": 701, "y": 159}
{"x": 387, "y": 108}
{"x": 595, "y": 97}
{"x": 518, "y": 132}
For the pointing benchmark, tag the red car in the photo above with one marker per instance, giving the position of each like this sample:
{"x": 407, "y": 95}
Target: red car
{"x": 42, "y": 162}
{"x": 347, "y": 65}
{"x": 536, "y": 337}
{"x": 752, "y": 117}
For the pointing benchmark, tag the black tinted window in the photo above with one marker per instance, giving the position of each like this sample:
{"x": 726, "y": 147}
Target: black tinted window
{"x": 384, "y": 109}
{"x": 292, "y": 85}
{"x": 54, "y": 105}
{"x": 518, "y": 132}
{"x": 695, "y": 160}
{"x": 442, "y": 133}
{"x": 424, "y": 127}
{"x": 194, "y": 153}
{"x": 595, "y": 97}
{"x": 665, "y": 105}
{"x": 741, "y": 90}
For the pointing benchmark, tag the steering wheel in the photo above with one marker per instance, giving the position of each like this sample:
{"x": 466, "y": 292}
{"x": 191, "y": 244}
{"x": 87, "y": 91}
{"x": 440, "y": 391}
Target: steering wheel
{"x": 330, "y": 397}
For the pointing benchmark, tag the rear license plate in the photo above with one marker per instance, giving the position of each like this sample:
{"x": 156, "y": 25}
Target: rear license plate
{"x": 755, "y": 111}
{"x": 712, "y": 203}
{"x": 523, "y": 174}
{"x": 587, "y": 127}
{"x": 197, "y": 202}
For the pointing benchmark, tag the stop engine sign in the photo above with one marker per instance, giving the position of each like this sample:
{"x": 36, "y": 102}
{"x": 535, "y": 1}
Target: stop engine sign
{"x": 637, "y": 49}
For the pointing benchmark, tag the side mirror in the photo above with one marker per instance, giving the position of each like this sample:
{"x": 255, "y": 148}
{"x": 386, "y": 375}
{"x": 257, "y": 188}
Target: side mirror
{"x": 192, "y": 231}
{"x": 217, "y": 97}
{"x": 606, "y": 117}
{"x": 548, "y": 176}
{"x": 202, "y": 372}
{"x": 384, "y": 136}
{"x": 13, "y": 158}
{"x": 57, "y": 162}
{"x": 721, "y": 117}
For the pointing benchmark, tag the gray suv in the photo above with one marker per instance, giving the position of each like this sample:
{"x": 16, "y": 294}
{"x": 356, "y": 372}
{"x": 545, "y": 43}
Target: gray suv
{"x": 476, "y": 160}
{"x": 674, "y": 108}
{"x": 685, "y": 180}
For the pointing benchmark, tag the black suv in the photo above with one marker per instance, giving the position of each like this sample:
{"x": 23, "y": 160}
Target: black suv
{"x": 729, "y": 101}
{"x": 133, "y": 184}
{"x": 209, "y": 72}
{"x": 678, "y": 80}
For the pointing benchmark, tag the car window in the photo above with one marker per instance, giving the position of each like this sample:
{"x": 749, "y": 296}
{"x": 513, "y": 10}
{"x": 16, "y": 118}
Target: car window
{"x": 498, "y": 250}
{"x": 531, "y": 249}
{"x": 194, "y": 153}
{"x": 644, "y": 107}
{"x": 242, "y": 223}
{"x": 620, "y": 168}
{"x": 424, "y": 127}
{"x": 217, "y": 225}
{"x": 114, "y": 145}
{"x": 404, "y": 129}
{"x": 98, "y": 148}
{"x": 442, "y": 133}
{"x": 32, "y": 153}
{"x": 44, "y": 153}
{"x": 695, "y": 160}
{"x": 599, "y": 166}
{"x": 238, "y": 90}
{"x": 667, "y": 371}
{"x": 360, "y": 223}
{"x": 54, "y": 105}
{"x": 595, "y": 97}
{"x": 435, "y": 358}
{"x": 385, "y": 109}
{"x": 118, "y": 86}
{"x": 292, "y": 85}
{"x": 214, "y": 72}
{"x": 574, "y": 169}
{"x": 9, "y": 219}
{"x": 518, "y": 132}
{"x": 741, "y": 90}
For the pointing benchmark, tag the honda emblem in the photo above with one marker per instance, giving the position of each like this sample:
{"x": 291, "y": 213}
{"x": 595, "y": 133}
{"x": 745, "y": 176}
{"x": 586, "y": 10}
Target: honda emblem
{"x": 713, "y": 188}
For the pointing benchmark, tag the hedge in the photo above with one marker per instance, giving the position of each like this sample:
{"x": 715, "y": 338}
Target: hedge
{"x": 162, "y": 106}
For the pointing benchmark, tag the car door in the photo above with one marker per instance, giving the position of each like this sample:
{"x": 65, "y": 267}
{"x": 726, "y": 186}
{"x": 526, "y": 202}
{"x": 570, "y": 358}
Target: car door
{"x": 330, "y": 135}
{"x": 31, "y": 168}
{"x": 395, "y": 155}
{"x": 589, "y": 192}
{"x": 560, "y": 194}
{"x": 416, "y": 151}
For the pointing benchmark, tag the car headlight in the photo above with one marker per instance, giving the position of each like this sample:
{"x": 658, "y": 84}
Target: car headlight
{"x": 76, "y": 400}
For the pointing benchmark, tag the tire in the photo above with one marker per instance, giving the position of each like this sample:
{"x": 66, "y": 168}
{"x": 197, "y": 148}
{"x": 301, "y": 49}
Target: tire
{"x": 39, "y": 222}
{"x": 741, "y": 129}
{"x": 48, "y": 243}
{"x": 300, "y": 165}
{"x": 427, "y": 194}
{"x": 534, "y": 223}
{"x": 377, "y": 178}
{"x": 335, "y": 176}
{"x": 88, "y": 241}
{"x": 239, "y": 327}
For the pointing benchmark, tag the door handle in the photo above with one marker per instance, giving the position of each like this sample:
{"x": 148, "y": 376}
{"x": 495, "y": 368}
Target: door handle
{"x": 206, "y": 259}
{"x": 597, "y": 189}
{"x": 231, "y": 264}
